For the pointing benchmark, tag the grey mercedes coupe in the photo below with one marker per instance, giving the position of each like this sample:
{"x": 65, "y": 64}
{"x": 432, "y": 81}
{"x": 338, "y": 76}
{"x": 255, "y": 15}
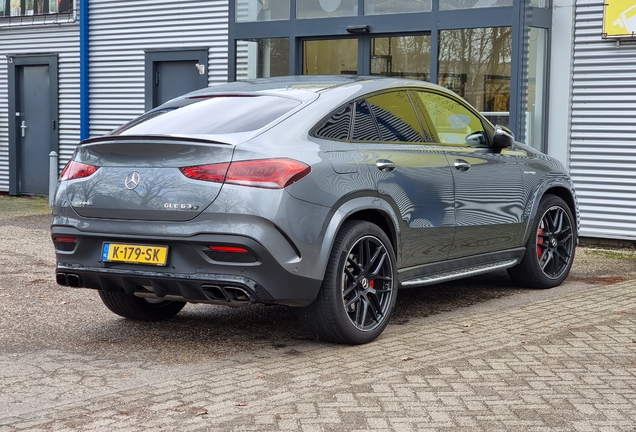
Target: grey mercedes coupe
{"x": 323, "y": 193}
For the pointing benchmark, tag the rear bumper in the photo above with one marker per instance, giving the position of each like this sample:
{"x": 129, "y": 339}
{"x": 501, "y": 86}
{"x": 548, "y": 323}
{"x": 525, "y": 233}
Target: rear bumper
{"x": 202, "y": 288}
{"x": 191, "y": 273}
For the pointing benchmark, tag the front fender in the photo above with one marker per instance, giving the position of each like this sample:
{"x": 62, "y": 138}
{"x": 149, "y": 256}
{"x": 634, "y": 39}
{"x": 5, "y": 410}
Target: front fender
{"x": 562, "y": 187}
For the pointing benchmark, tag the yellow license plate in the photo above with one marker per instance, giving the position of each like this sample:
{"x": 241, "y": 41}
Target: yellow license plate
{"x": 135, "y": 253}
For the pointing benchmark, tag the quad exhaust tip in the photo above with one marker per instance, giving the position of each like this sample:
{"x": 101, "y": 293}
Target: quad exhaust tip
{"x": 226, "y": 293}
{"x": 70, "y": 280}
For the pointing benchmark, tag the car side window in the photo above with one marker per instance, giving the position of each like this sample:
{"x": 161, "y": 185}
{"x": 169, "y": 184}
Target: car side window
{"x": 454, "y": 122}
{"x": 364, "y": 126}
{"x": 337, "y": 126}
{"x": 396, "y": 117}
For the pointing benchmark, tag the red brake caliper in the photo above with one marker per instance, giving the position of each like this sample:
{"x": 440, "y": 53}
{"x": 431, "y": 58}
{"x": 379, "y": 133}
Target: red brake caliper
{"x": 540, "y": 242}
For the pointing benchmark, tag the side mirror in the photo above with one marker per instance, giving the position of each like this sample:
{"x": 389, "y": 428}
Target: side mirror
{"x": 503, "y": 137}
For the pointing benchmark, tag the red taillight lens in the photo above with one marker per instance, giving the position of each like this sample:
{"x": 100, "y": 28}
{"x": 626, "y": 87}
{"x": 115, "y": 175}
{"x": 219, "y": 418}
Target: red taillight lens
{"x": 74, "y": 170}
{"x": 212, "y": 173}
{"x": 264, "y": 173}
{"x": 267, "y": 173}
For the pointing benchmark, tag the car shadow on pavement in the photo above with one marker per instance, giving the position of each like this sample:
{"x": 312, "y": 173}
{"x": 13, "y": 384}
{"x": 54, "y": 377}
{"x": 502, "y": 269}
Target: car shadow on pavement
{"x": 202, "y": 331}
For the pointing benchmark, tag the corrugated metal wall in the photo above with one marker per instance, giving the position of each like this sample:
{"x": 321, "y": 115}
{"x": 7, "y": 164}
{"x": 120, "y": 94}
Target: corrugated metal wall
{"x": 50, "y": 39}
{"x": 121, "y": 31}
{"x": 603, "y": 130}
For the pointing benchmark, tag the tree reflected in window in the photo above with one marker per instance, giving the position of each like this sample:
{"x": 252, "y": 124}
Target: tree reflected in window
{"x": 476, "y": 64}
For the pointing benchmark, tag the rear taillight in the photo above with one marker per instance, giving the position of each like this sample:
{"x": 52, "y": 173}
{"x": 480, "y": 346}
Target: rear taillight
{"x": 212, "y": 173}
{"x": 263, "y": 173}
{"x": 75, "y": 170}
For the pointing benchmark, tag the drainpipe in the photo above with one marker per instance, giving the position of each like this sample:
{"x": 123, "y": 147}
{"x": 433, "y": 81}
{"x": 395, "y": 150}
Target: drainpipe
{"x": 84, "y": 70}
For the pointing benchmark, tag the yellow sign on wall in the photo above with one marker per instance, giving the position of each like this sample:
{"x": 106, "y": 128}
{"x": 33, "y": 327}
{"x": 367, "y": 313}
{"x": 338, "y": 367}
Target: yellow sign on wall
{"x": 620, "y": 18}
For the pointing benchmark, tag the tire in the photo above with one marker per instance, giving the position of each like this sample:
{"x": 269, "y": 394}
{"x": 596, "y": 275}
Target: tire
{"x": 359, "y": 290}
{"x": 550, "y": 248}
{"x": 136, "y": 308}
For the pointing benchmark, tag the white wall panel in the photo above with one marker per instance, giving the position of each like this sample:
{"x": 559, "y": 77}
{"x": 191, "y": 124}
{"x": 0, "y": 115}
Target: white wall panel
{"x": 603, "y": 130}
{"x": 120, "y": 32}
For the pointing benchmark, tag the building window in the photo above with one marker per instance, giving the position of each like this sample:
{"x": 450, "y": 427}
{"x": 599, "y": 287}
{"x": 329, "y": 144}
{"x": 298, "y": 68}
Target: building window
{"x": 262, "y": 58}
{"x": 33, "y": 7}
{"x": 378, "y": 7}
{"x": 326, "y": 8}
{"x": 540, "y": 3}
{"x": 261, "y": 10}
{"x": 536, "y": 87}
{"x": 469, "y": 4}
{"x": 333, "y": 56}
{"x": 401, "y": 56}
{"x": 476, "y": 64}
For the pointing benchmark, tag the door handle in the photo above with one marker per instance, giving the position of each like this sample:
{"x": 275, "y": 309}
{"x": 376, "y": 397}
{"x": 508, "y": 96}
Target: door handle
{"x": 385, "y": 165}
{"x": 461, "y": 165}
{"x": 23, "y": 127}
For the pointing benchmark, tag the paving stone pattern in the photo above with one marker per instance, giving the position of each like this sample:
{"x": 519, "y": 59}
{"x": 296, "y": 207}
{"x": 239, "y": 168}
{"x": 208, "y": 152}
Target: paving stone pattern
{"x": 567, "y": 363}
{"x": 560, "y": 360}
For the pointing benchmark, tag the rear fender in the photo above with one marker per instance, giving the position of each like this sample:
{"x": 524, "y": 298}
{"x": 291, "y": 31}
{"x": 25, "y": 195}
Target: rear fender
{"x": 345, "y": 212}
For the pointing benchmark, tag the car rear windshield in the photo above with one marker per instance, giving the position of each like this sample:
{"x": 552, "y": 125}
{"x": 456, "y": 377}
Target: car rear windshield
{"x": 218, "y": 114}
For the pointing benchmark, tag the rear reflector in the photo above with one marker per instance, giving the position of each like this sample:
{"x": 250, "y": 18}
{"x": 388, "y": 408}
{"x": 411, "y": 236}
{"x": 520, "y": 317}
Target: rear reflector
{"x": 234, "y": 249}
{"x": 264, "y": 173}
{"x": 65, "y": 239}
{"x": 64, "y": 244}
{"x": 231, "y": 254}
{"x": 75, "y": 170}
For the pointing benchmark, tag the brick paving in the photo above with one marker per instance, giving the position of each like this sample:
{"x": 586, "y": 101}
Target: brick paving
{"x": 563, "y": 363}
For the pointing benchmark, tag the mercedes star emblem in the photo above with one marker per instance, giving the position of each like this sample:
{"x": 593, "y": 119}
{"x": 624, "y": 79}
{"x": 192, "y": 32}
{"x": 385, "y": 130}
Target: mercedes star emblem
{"x": 132, "y": 181}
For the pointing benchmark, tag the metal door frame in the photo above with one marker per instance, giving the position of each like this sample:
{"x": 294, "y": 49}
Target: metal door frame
{"x": 153, "y": 56}
{"x": 16, "y": 61}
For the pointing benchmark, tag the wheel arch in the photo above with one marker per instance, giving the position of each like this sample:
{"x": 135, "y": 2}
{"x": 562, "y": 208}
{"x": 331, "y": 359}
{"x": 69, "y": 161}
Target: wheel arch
{"x": 370, "y": 209}
{"x": 566, "y": 193}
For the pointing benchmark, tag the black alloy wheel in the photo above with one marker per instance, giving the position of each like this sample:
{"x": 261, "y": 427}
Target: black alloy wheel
{"x": 367, "y": 283}
{"x": 555, "y": 245}
{"x": 359, "y": 290}
{"x": 550, "y": 248}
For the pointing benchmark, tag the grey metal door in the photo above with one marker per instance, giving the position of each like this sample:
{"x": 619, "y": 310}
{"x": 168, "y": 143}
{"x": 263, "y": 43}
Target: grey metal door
{"x": 174, "y": 78}
{"x": 172, "y": 73}
{"x": 36, "y": 124}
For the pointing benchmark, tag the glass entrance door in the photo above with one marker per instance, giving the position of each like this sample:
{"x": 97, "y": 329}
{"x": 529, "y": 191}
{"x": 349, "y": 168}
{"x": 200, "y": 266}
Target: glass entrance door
{"x": 330, "y": 56}
{"x": 402, "y": 56}
{"x": 407, "y": 56}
